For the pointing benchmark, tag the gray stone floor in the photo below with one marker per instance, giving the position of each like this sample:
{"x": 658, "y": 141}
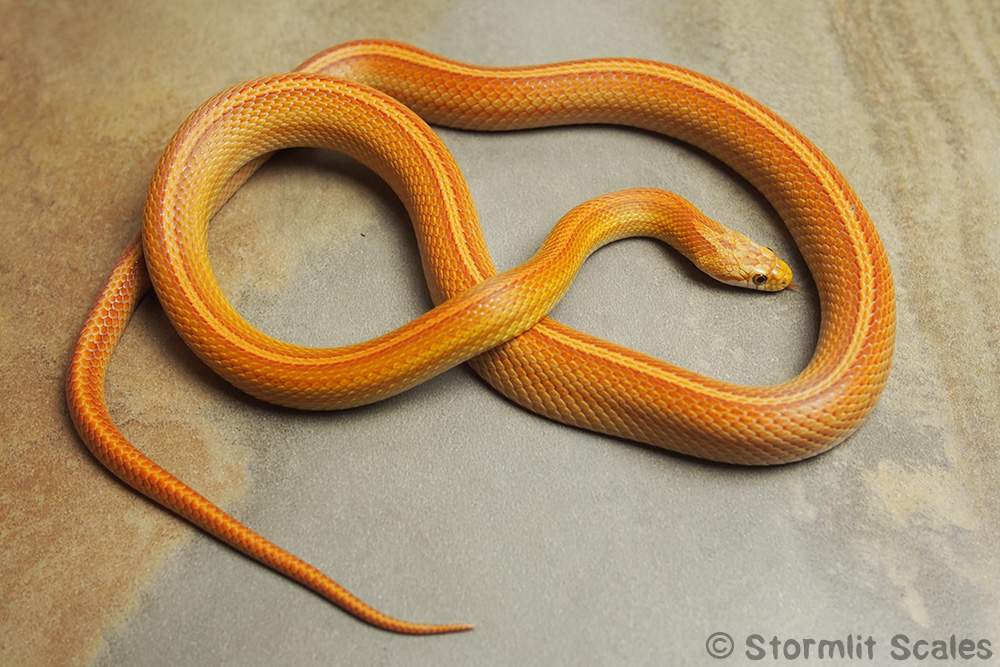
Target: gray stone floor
{"x": 449, "y": 503}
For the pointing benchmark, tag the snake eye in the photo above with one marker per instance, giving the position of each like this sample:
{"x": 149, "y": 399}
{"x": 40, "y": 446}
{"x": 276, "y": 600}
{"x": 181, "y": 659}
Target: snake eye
{"x": 759, "y": 279}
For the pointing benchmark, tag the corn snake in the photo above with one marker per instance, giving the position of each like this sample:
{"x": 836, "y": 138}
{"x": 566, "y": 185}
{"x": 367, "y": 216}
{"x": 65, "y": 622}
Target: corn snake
{"x": 371, "y": 100}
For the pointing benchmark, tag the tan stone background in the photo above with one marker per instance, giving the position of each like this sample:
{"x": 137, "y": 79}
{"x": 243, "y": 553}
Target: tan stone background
{"x": 448, "y": 503}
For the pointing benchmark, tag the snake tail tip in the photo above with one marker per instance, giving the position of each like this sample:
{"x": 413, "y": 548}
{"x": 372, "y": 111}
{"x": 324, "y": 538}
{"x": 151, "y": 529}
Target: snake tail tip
{"x": 420, "y": 629}
{"x": 458, "y": 627}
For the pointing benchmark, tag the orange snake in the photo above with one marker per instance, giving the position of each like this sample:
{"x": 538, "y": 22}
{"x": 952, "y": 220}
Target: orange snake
{"x": 351, "y": 99}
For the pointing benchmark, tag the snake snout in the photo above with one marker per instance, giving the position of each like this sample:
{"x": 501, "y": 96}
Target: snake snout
{"x": 778, "y": 278}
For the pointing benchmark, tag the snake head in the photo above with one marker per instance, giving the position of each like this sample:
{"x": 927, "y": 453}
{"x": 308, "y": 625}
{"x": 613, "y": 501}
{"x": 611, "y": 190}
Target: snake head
{"x": 728, "y": 255}
{"x": 739, "y": 261}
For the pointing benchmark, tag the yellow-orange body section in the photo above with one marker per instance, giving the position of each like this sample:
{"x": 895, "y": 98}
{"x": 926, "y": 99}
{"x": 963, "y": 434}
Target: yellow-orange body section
{"x": 371, "y": 100}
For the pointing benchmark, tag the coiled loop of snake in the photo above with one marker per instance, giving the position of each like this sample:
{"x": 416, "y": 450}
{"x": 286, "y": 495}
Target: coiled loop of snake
{"x": 367, "y": 99}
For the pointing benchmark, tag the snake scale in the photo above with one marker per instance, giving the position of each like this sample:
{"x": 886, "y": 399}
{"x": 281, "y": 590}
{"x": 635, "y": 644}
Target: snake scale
{"x": 372, "y": 100}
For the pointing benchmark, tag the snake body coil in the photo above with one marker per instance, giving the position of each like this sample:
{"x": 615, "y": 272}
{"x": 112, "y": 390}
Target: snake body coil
{"x": 351, "y": 98}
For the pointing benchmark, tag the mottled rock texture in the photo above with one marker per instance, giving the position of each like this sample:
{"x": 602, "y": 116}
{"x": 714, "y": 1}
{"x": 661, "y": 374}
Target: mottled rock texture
{"x": 448, "y": 503}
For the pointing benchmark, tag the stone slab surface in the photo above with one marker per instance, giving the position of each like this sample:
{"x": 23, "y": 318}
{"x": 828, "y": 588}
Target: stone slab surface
{"x": 449, "y": 503}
